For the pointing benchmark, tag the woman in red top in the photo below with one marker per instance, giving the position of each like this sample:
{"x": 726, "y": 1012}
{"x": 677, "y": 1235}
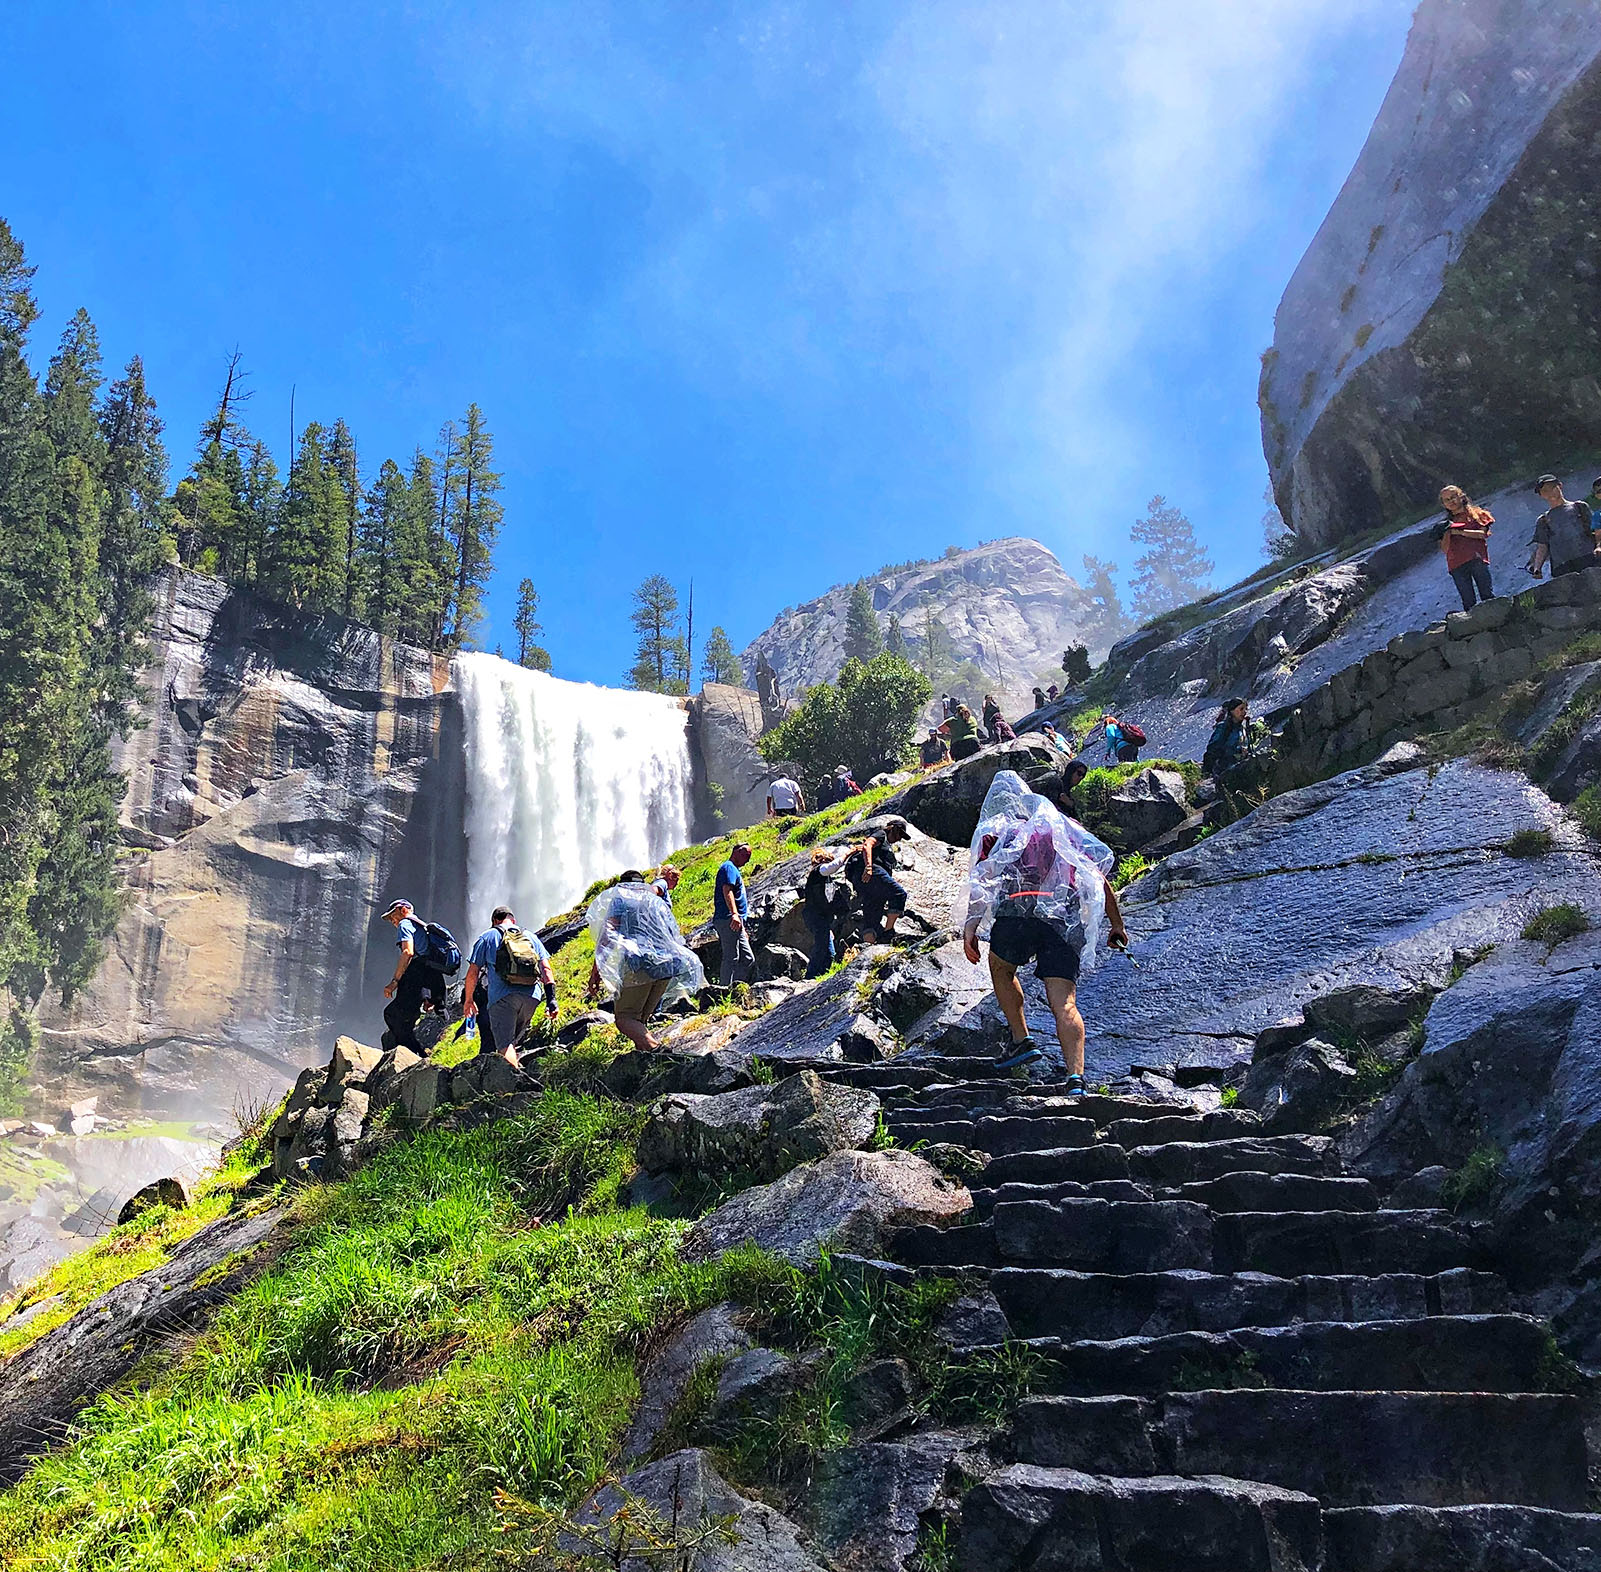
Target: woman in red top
{"x": 1465, "y": 539}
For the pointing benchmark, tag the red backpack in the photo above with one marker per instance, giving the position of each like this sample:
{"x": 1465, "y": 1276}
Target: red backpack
{"x": 1133, "y": 733}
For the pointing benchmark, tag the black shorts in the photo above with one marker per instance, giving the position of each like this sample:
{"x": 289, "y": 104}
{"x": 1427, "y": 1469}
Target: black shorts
{"x": 1018, "y": 938}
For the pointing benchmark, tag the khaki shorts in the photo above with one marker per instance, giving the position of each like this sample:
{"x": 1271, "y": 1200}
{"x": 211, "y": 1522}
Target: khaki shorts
{"x": 639, "y": 995}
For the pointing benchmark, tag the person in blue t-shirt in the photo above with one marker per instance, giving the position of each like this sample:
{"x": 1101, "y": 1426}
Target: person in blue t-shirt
{"x": 728, "y": 918}
{"x": 417, "y": 980}
{"x": 512, "y": 1006}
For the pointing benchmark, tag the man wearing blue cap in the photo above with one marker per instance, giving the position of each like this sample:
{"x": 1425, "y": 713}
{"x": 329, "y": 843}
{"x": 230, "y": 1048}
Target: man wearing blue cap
{"x": 415, "y": 982}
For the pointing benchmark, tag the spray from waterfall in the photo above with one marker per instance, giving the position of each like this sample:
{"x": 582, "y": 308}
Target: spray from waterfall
{"x": 566, "y": 783}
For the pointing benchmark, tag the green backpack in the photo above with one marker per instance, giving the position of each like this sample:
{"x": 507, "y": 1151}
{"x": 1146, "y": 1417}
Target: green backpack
{"x": 517, "y": 959}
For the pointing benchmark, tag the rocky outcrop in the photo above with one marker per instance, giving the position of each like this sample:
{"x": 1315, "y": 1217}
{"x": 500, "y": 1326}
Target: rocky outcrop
{"x": 1007, "y": 607}
{"x": 295, "y": 771}
{"x": 730, "y": 775}
{"x": 1440, "y": 326}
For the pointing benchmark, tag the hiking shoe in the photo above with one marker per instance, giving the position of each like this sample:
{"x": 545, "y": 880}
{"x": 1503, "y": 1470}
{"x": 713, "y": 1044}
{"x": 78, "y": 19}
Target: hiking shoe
{"x": 1022, "y": 1053}
{"x": 1075, "y": 1087}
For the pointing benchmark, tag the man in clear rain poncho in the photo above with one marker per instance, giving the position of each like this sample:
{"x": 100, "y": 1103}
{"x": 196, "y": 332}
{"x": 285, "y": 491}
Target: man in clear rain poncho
{"x": 640, "y": 956}
{"x": 1037, "y": 889}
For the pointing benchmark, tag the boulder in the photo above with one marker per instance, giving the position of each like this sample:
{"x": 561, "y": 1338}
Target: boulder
{"x": 878, "y": 1396}
{"x": 351, "y": 1064}
{"x": 417, "y": 1091}
{"x": 873, "y": 1498}
{"x": 1148, "y": 805}
{"x": 753, "y": 1385}
{"x": 779, "y": 960}
{"x": 825, "y": 1021}
{"x": 1366, "y": 1010}
{"x": 714, "y": 1333}
{"x": 762, "y": 1130}
{"x": 848, "y": 1201}
{"x": 173, "y": 1191}
{"x": 635, "y": 1075}
{"x": 687, "y": 1501}
{"x": 945, "y": 803}
{"x": 1300, "y": 1090}
{"x": 976, "y": 1320}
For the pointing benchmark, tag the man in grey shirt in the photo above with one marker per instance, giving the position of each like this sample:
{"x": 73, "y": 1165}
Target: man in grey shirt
{"x": 1565, "y": 535}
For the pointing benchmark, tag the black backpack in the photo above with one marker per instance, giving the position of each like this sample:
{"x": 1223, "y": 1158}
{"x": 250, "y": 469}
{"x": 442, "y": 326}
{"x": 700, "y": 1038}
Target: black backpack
{"x": 443, "y": 953}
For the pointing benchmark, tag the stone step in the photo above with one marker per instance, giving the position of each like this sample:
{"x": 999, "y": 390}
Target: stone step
{"x": 1104, "y": 1236}
{"x": 1192, "y": 1162}
{"x": 1066, "y": 1165}
{"x": 1319, "y": 1244}
{"x": 1029, "y": 1519}
{"x": 1493, "y": 1353}
{"x": 1037, "y": 1097}
{"x": 1248, "y": 1192}
{"x": 1224, "y": 1125}
{"x": 985, "y": 1199}
{"x": 926, "y": 1245}
{"x": 999, "y": 1136}
{"x": 1348, "y": 1449}
{"x": 1460, "y": 1539}
{"x": 1054, "y": 1302}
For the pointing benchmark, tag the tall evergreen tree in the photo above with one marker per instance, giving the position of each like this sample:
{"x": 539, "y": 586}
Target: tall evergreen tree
{"x": 345, "y": 469}
{"x": 895, "y": 639}
{"x": 526, "y": 624}
{"x": 306, "y": 553}
{"x": 381, "y": 526}
{"x": 260, "y": 506}
{"x": 1173, "y": 570}
{"x": 417, "y": 561}
{"x": 1107, "y": 622}
{"x": 718, "y": 662}
{"x": 442, "y": 556}
{"x": 660, "y": 657}
{"x": 863, "y": 638}
{"x": 474, "y": 522}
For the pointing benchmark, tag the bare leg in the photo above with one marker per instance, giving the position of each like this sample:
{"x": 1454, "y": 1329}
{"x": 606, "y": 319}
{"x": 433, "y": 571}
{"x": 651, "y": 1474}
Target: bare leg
{"x": 638, "y": 1033}
{"x": 1009, "y": 995}
{"x": 1069, "y": 1023}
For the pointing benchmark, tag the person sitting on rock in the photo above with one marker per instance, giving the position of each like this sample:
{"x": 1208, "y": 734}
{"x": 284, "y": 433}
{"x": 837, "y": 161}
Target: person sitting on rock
{"x": 871, "y": 869}
{"x": 665, "y": 882}
{"x": 1227, "y": 742}
{"x": 1038, "y": 891}
{"x": 515, "y": 969}
{"x": 961, "y": 728}
{"x": 1465, "y": 539}
{"x": 825, "y": 903}
{"x": 640, "y": 955}
{"x": 1055, "y": 739}
{"x": 419, "y": 980}
{"x": 934, "y": 751}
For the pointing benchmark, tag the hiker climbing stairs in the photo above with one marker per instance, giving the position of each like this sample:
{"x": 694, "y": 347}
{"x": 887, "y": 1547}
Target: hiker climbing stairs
{"x": 1244, "y": 1361}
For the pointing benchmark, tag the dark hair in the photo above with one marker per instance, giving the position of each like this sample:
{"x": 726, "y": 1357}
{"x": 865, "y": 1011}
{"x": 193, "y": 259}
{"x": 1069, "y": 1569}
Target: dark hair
{"x": 1074, "y": 773}
{"x": 499, "y": 915}
{"x": 1229, "y": 705}
{"x": 632, "y": 876}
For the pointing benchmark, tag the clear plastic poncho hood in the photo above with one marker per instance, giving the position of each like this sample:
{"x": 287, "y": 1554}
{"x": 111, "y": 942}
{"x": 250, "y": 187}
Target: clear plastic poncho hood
{"x": 636, "y": 935}
{"x": 1026, "y": 845}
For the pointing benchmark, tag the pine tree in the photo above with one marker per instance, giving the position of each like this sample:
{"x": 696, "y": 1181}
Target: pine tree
{"x": 660, "y": 657}
{"x": 1173, "y": 570}
{"x": 475, "y": 522}
{"x": 526, "y": 624}
{"x": 1106, "y": 622}
{"x": 306, "y": 552}
{"x": 863, "y": 640}
{"x": 1279, "y": 542}
{"x": 380, "y": 528}
{"x": 442, "y": 558}
{"x": 209, "y": 501}
{"x": 895, "y": 639}
{"x": 417, "y": 559}
{"x": 346, "y": 470}
{"x": 718, "y": 662}
{"x": 260, "y": 503}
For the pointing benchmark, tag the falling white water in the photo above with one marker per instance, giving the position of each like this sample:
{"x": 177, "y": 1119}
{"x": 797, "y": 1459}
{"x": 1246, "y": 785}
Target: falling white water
{"x": 566, "y": 783}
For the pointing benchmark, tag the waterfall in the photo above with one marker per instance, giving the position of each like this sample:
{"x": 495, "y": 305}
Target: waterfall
{"x": 566, "y": 783}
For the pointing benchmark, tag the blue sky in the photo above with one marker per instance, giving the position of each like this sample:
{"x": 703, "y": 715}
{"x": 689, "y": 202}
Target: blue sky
{"x": 762, "y": 295}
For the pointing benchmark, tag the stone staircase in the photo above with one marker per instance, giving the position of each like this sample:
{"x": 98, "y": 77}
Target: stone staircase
{"x": 1245, "y": 1362}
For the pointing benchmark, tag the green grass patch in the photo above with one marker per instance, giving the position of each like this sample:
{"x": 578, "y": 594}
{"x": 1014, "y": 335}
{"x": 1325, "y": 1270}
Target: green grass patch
{"x": 1528, "y": 843}
{"x": 1551, "y": 925}
{"x": 1476, "y": 1180}
{"x": 1585, "y": 810}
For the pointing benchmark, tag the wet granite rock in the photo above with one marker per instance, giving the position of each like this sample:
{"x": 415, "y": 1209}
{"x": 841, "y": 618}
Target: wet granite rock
{"x": 1148, "y": 805}
{"x": 715, "y": 1333}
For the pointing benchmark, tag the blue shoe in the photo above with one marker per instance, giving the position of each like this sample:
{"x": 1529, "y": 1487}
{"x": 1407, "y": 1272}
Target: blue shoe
{"x": 1075, "y": 1087}
{"x": 1022, "y": 1053}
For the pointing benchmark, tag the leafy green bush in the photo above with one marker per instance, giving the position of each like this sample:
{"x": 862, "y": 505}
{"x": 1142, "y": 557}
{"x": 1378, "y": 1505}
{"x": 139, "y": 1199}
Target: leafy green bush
{"x": 867, "y": 719}
{"x": 1585, "y": 809}
{"x": 1476, "y": 1179}
{"x": 1528, "y": 843}
{"x": 1553, "y": 924}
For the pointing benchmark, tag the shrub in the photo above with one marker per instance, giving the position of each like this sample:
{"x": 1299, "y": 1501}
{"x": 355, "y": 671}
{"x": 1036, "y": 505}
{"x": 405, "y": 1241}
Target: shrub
{"x": 1552, "y": 924}
{"x": 1585, "y": 809}
{"x": 868, "y": 719}
{"x": 1475, "y": 1179}
{"x": 1528, "y": 843}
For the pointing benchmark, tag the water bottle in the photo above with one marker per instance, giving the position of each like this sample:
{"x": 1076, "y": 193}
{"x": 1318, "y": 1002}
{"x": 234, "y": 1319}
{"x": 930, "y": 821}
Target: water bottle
{"x": 470, "y": 1029}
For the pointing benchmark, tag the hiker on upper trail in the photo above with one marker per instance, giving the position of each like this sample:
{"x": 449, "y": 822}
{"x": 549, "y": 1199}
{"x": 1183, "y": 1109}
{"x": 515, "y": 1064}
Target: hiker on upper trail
{"x": 1053, "y": 693}
{"x": 640, "y": 956}
{"x": 1054, "y": 737}
{"x": 871, "y": 869}
{"x": 1039, "y": 698}
{"x": 428, "y": 954}
{"x": 728, "y": 918}
{"x": 1565, "y": 535}
{"x": 1227, "y": 742}
{"x": 825, "y": 903}
{"x": 947, "y": 705}
{"x": 963, "y": 732}
{"x": 784, "y": 796}
{"x": 1038, "y": 891}
{"x": 515, "y": 969}
{"x": 992, "y": 715}
{"x": 1071, "y": 779}
{"x": 837, "y": 787}
{"x": 1123, "y": 740}
{"x": 1464, "y": 537}
{"x": 934, "y": 750}
{"x": 1593, "y": 501}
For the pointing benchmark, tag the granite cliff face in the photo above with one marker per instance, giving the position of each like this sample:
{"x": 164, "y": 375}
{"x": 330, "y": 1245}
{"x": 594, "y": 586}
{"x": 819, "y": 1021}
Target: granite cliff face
{"x": 1008, "y": 607}
{"x": 1443, "y": 324}
{"x": 294, "y": 771}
